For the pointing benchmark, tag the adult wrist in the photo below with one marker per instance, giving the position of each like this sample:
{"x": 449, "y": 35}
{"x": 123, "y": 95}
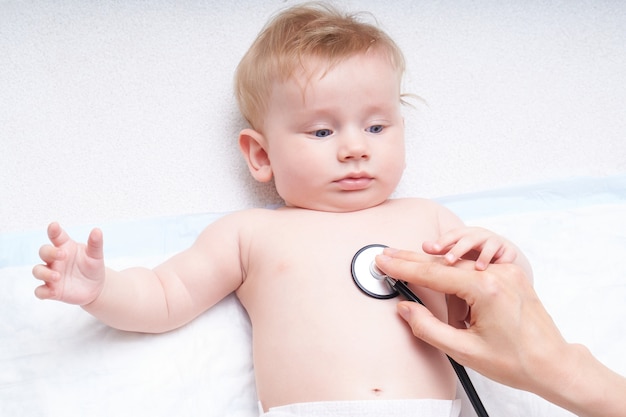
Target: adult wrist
{"x": 577, "y": 383}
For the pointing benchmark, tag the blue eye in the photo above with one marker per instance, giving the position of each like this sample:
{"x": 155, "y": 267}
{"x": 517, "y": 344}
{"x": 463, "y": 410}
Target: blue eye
{"x": 375, "y": 129}
{"x": 322, "y": 133}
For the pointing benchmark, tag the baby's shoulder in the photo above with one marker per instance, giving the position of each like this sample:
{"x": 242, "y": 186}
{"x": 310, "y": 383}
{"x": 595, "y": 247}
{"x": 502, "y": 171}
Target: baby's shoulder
{"x": 242, "y": 219}
{"x": 235, "y": 228}
{"x": 429, "y": 210}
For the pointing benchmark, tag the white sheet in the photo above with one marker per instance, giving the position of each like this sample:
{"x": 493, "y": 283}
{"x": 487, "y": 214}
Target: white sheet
{"x": 56, "y": 360}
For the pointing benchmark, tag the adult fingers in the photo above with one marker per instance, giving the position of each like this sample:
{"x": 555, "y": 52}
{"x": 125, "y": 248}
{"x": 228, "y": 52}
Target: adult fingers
{"x": 427, "y": 273}
{"x": 410, "y": 255}
{"x": 433, "y": 331}
{"x": 413, "y": 256}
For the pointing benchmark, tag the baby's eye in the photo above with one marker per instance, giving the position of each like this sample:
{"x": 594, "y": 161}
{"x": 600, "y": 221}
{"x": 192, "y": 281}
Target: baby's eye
{"x": 322, "y": 133}
{"x": 375, "y": 129}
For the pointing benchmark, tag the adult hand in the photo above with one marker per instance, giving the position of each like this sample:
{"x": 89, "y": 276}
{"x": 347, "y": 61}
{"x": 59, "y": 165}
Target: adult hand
{"x": 507, "y": 327}
{"x": 510, "y": 337}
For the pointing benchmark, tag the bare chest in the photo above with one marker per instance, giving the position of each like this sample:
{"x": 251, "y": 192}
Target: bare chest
{"x": 311, "y": 253}
{"x": 309, "y": 318}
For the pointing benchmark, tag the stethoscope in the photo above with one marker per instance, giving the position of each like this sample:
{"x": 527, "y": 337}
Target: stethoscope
{"x": 373, "y": 282}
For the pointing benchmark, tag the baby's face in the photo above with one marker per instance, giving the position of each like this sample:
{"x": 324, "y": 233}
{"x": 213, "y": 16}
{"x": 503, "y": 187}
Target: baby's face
{"x": 335, "y": 139}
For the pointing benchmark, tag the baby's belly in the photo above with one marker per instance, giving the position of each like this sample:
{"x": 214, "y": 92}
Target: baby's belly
{"x": 345, "y": 351}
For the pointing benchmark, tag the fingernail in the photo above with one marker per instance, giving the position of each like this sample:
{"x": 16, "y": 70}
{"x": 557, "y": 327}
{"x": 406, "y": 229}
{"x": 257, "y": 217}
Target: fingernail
{"x": 404, "y": 311}
{"x": 391, "y": 251}
{"x": 450, "y": 258}
{"x": 383, "y": 258}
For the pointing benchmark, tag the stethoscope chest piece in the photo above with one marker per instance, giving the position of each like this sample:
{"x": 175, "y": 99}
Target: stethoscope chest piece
{"x": 367, "y": 277}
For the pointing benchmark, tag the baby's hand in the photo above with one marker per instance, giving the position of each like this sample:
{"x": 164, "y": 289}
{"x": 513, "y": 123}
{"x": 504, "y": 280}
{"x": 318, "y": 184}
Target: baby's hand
{"x": 475, "y": 243}
{"x": 73, "y": 273}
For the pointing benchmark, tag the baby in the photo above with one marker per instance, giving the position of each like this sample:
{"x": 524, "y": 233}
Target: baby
{"x": 321, "y": 92}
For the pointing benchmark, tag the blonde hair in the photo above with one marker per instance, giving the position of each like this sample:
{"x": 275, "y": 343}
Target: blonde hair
{"x": 300, "y": 32}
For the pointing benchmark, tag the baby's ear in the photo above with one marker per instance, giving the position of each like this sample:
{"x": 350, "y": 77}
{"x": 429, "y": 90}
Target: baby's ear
{"x": 253, "y": 147}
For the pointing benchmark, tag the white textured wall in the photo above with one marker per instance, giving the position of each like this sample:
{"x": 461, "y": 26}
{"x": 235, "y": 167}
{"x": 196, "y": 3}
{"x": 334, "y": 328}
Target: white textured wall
{"x": 122, "y": 109}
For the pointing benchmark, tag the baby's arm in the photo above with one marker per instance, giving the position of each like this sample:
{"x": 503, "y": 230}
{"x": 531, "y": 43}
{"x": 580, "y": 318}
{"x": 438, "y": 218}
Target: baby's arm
{"x": 141, "y": 299}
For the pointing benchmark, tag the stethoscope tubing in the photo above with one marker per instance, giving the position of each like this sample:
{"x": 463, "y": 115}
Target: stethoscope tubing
{"x": 460, "y": 371}
{"x": 375, "y": 283}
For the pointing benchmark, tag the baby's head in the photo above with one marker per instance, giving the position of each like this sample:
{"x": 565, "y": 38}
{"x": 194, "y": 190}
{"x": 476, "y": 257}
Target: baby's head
{"x": 321, "y": 91}
{"x": 312, "y": 30}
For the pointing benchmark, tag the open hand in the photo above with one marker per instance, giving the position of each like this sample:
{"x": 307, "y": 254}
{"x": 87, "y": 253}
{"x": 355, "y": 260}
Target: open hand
{"x": 73, "y": 273}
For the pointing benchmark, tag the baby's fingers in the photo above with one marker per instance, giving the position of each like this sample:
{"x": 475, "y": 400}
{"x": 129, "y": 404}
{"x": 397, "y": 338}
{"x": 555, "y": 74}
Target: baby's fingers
{"x": 490, "y": 251}
{"x": 434, "y": 248}
{"x": 460, "y": 249}
{"x": 453, "y": 244}
{"x": 44, "y": 292}
{"x": 49, "y": 254}
{"x": 95, "y": 244}
{"x": 450, "y": 238}
{"x": 57, "y": 235}
{"x": 45, "y": 274}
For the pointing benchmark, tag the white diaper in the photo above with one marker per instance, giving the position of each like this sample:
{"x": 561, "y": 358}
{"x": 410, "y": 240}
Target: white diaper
{"x": 369, "y": 408}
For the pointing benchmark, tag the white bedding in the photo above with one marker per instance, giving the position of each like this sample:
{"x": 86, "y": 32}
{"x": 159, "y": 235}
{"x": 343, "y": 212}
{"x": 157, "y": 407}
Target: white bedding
{"x": 56, "y": 360}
